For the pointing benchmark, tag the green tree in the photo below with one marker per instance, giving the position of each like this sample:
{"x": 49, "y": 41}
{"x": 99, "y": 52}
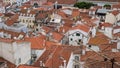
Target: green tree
{"x": 107, "y": 6}
{"x": 83, "y": 5}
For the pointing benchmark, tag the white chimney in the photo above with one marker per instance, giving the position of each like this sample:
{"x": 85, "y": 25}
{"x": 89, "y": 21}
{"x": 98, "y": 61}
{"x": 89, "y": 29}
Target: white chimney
{"x": 44, "y": 42}
{"x": 60, "y": 66}
{"x": 65, "y": 65}
{"x": 41, "y": 63}
{"x": 83, "y": 52}
{"x": 118, "y": 45}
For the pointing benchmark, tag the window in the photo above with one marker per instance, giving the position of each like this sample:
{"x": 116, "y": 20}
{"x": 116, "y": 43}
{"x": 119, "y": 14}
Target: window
{"x": 77, "y": 58}
{"x": 79, "y": 40}
{"x": 53, "y": 20}
{"x": 36, "y": 29}
{"x": 19, "y": 60}
{"x": 76, "y": 66}
{"x": 77, "y": 34}
{"x": 78, "y": 43}
{"x": 71, "y": 39}
{"x": 89, "y": 46}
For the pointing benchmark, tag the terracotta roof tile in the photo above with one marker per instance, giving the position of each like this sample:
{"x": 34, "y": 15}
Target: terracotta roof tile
{"x": 116, "y": 34}
{"x": 63, "y": 1}
{"x": 75, "y": 12}
{"x": 68, "y": 22}
{"x": 25, "y": 6}
{"x": 115, "y": 12}
{"x": 106, "y": 24}
{"x": 99, "y": 39}
{"x": 116, "y": 27}
{"x": 62, "y": 14}
{"x": 49, "y": 44}
{"x": 12, "y": 33}
{"x": 57, "y": 54}
{"x": 57, "y": 36}
{"x": 48, "y": 3}
{"x": 1, "y": 14}
{"x": 116, "y": 6}
{"x": 91, "y": 55}
{"x": 47, "y": 29}
{"x": 36, "y": 42}
{"x": 63, "y": 29}
{"x": 26, "y": 66}
{"x": 9, "y": 64}
{"x": 82, "y": 27}
{"x": 12, "y": 20}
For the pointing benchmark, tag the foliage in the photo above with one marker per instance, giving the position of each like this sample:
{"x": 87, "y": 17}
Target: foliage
{"x": 83, "y": 5}
{"x": 107, "y": 5}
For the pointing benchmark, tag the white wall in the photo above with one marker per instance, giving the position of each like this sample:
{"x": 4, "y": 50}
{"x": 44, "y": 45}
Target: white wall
{"x": 39, "y": 52}
{"x": 118, "y": 17}
{"x": 118, "y": 45}
{"x": 12, "y": 51}
{"x": 93, "y": 47}
{"x": 70, "y": 62}
{"x": 108, "y": 32}
{"x": 0, "y": 50}
{"x": 7, "y": 51}
{"x": 75, "y": 39}
{"x": 22, "y": 51}
{"x": 116, "y": 31}
{"x": 110, "y": 18}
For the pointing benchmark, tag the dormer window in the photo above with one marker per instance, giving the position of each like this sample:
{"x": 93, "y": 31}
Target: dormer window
{"x": 36, "y": 29}
{"x": 53, "y": 20}
{"x": 71, "y": 39}
{"x": 79, "y": 40}
{"x": 77, "y": 34}
{"x": 89, "y": 46}
{"x": 77, "y": 58}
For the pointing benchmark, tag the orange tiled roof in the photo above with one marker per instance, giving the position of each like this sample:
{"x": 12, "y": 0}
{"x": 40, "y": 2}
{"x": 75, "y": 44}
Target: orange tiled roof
{"x": 48, "y": 3}
{"x": 91, "y": 55}
{"x": 116, "y": 6}
{"x": 115, "y": 12}
{"x": 55, "y": 55}
{"x": 63, "y": 1}
{"x": 116, "y": 27}
{"x": 1, "y": 14}
{"x": 68, "y": 22}
{"x": 37, "y": 42}
{"x": 12, "y": 33}
{"x": 64, "y": 16}
{"x": 47, "y": 29}
{"x": 108, "y": 47}
{"x": 75, "y": 12}
{"x": 9, "y": 64}
{"x": 25, "y": 6}
{"x": 106, "y": 24}
{"x": 26, "y": 66}
{"x": 12, "y": 20}
{"x": 99, "y": 39}
{"x": 57, "y": 36}
{"x": 116, "y": 34}
{"x": 63, "y": 29}
{"x": 82, "y": 27}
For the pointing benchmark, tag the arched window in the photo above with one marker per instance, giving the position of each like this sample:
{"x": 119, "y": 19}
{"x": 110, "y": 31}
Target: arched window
{"x": 35, "y": 5}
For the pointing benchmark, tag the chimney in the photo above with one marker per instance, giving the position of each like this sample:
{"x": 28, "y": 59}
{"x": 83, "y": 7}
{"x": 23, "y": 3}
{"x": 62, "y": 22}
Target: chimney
{"x": 60, "y": 66}
{"x": 65, "y": 65}
{"x": 118, "y": 45}
{"x": 56, "y": 4}
{"x": 44, "y": 42}
{"x": 41, "y": 64}
{"x": 83, "y": 52}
